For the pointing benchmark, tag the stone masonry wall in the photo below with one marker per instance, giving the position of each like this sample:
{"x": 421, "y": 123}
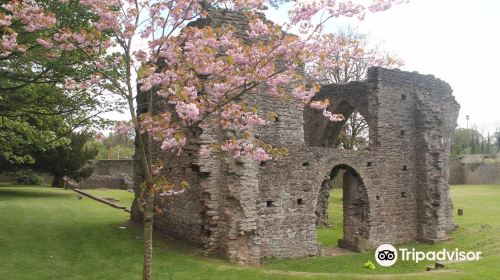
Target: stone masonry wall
{"x": 109, "y": 174}
{"x": 395, "y": 191}
{"x": 474, "y": 172}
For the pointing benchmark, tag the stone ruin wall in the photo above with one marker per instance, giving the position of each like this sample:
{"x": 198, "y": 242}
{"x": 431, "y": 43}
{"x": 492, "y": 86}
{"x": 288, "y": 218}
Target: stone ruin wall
{"x": 109, "y": 174}
{"x": 395, "y": 191}
{"x": 476, "y": 171}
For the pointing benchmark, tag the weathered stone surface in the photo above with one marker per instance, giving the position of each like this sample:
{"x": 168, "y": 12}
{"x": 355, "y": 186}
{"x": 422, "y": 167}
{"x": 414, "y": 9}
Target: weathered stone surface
{"x": 110, "y": 174}
{"x": 475, "y": 169}
{"x": 395, "y": 191}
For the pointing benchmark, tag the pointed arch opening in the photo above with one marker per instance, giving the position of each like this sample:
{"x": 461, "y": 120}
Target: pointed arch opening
{"x": 342, "y": 209}
{"x": 351, "y": 134}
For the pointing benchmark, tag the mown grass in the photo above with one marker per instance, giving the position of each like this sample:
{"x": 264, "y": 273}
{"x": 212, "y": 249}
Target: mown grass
{"x": 48, "y": 233}
{"x": 122, "y": 197}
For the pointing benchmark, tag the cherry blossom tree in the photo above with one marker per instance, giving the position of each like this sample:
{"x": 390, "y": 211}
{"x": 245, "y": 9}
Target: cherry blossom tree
{"x": 343, "y": 57}
{"x": 200, "y": 72}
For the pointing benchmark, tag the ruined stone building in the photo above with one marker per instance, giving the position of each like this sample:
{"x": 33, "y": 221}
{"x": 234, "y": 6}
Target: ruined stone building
{"x": 394, "y": 191}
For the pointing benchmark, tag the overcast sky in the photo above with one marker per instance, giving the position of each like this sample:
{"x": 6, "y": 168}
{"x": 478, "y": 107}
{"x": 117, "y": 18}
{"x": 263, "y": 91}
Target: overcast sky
{"x": 456, "y": 41}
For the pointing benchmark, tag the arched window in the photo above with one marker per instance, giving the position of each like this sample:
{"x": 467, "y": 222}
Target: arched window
{"x": 350, "y": 134}
{"x": 354, "y": 134}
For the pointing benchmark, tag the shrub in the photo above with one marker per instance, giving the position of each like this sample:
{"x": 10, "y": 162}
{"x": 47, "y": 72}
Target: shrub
{"x": 27, "y": 177}
{"x": 369, "y": 265}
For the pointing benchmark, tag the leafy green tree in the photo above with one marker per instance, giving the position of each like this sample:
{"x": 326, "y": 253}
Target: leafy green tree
{"x": 71, "y": 160}
{"x": 469, "y": 141}
{"x": 208, "y": 70}
{"x": 497, "y": 139}
{"x": 36, "y": 118}
{"x": 36, "y": 113}
{"x": 113, "y": 146}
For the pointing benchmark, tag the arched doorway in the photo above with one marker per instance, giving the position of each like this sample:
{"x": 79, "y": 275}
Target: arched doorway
{"x": 355, "y": 206}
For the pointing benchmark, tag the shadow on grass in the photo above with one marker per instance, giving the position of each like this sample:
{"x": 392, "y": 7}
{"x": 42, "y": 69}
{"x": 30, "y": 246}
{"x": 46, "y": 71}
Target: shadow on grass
{"x": 22, "y": 192}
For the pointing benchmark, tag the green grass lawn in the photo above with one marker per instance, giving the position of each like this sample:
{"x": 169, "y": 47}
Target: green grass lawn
{"x": 48, "y": 233}
{"x": 329, "y": 236}
{"x": 123, "y": 197}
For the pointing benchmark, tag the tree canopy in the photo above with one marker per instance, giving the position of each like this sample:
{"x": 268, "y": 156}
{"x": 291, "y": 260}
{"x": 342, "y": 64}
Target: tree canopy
{"x": 201, "y": 72}
{"x": 345, "y": 56}
{"x": 37, "y": 113}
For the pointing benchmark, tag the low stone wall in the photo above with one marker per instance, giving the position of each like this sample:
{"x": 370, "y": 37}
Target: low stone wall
{"x": 109, "y": 174}
{"x": 113, "y": 166}
{"x": 106, "y": 182}
{"x": 456, "y": 176}
{"x": 482, "y": 172}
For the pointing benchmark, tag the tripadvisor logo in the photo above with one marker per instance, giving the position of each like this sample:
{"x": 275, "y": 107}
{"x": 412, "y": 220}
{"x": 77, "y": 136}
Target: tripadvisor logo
{"x": 387, "y": 255}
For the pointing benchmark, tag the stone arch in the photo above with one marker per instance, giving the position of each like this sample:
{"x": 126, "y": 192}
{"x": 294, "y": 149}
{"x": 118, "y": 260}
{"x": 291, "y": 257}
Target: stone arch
{"x": 326, "y": 133}
{"x": 356, "y": 207}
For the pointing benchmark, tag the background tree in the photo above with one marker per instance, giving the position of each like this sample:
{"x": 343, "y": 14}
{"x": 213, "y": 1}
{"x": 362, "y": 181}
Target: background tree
{"x": 201, "y": 73}
{"x": 36, "y": 113}
{"x": 71, "y": 160}
{"x": 346, "y": 56}
{"x": 461, "y": 142}
{"x": 39, "y": 117}
{"x": 354, "y": 135}
{"x": 471, "y": 141}
{"x": 497, "y": 139}
{"x": 113, "y": 146}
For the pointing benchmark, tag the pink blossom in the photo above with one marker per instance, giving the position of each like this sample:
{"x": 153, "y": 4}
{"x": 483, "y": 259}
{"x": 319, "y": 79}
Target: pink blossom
{"x": 191, "y": 93}
{"x": 257, "y": 28}
{"x": 6, "y": 20}
{"x": 95, "y": 79}
{"x": 33, "y": 16}
{"x": 9, "y": 41}
{"x": 170, "y": 53}
{"x": 129, "y": 30}
{"x": 279, "y": 80}
{"x": 205, "y": 151}
{"x": 145, "y": 86}
{"x": 21, "y": 48}
{"x": 156, "y": 169}
{"x": 333, "y": 117}
{"x": 141, "y": 55}
{"x": 101, "y": 64}
{"x": 240, "y": 147}
{"x": 188, "y": 112}
{"x": 44, "y": 43}
{"x": 173, "y": 143}
{"x": 171, "y": 192}
{"x": 10, "y": 7}
{"x": 304, "y": 95}
{"x": 232, "y": 147}
{"x": 69, "y": 84}
{"x": 319, "y": 105}
{"x": 68, "y": 47}
{"x": 260, "y": 155}
{"x": 227, "y": 39}
{"x": 124, "y": 127}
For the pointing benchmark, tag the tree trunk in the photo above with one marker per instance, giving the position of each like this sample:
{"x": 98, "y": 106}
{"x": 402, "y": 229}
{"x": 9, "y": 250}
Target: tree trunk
{"x": 148, "y": 234}
{"x": 58, "y": 181}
